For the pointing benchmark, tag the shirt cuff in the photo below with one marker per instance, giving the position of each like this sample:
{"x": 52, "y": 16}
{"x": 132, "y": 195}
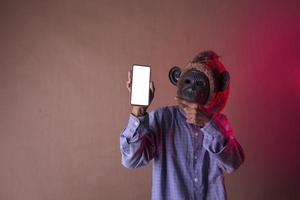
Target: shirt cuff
{"x": 133, "y": 124}
{"x": 210, "y": 129}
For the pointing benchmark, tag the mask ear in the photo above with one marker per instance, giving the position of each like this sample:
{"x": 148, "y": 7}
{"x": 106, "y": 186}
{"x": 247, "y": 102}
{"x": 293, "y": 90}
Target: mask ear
{"x": 174, "y": 74}
{"x": 224, "y": 79}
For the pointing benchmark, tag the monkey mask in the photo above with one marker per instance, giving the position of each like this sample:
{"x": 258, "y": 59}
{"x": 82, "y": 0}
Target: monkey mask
{"x": 204, "y": 81}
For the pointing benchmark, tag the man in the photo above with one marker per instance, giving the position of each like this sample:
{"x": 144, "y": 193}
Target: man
{"x": 191, "y": 144}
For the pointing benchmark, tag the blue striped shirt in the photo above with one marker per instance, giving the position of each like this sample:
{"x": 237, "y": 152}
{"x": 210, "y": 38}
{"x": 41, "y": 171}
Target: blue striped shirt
{"x": 188, "y": 161}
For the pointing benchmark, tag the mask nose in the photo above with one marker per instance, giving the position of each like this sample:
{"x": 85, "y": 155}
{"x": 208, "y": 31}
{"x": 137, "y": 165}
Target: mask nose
{"x": 193, "y": 88}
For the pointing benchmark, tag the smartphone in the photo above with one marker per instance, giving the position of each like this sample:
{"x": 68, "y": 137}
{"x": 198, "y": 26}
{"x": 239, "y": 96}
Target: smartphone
{"x": 140, "y": 85}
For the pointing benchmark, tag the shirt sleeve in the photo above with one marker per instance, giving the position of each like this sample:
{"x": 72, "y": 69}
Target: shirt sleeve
{"x": 220, "y": 142}
{"x": 138, "y": 141}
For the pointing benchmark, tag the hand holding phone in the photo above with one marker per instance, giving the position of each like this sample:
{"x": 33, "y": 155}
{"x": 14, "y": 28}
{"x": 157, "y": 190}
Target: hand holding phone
{"x": 140, "y": 88}
{"x": 140, "y": 84}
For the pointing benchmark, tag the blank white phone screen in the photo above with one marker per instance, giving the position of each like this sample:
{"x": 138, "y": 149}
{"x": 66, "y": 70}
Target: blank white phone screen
{"x": 140, "y": 85}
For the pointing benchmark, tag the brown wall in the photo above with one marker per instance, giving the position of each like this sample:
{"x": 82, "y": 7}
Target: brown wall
{"x": 63, "y": 101}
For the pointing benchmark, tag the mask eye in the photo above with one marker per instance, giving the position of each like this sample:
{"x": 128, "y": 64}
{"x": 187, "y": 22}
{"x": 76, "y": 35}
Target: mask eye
{"x": 187, "y": 81}
{"x": 201, "y": 83}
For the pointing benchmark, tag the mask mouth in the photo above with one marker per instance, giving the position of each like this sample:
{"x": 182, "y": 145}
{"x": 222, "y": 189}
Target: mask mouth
{"x": 190, "y": 94}
{"x": 194, "y": 96}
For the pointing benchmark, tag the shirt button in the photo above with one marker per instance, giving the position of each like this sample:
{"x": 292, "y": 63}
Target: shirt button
{"x": 195, "y": 179}
{"x": 136, "y": 123}
{"x": 195, "y": 157}
{"x": 196, "y": 134}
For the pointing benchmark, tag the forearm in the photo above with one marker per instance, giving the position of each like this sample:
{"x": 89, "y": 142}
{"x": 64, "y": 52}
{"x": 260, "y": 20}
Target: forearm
{"x": 137, "y": 142}
{"x": 222, "y": 145}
